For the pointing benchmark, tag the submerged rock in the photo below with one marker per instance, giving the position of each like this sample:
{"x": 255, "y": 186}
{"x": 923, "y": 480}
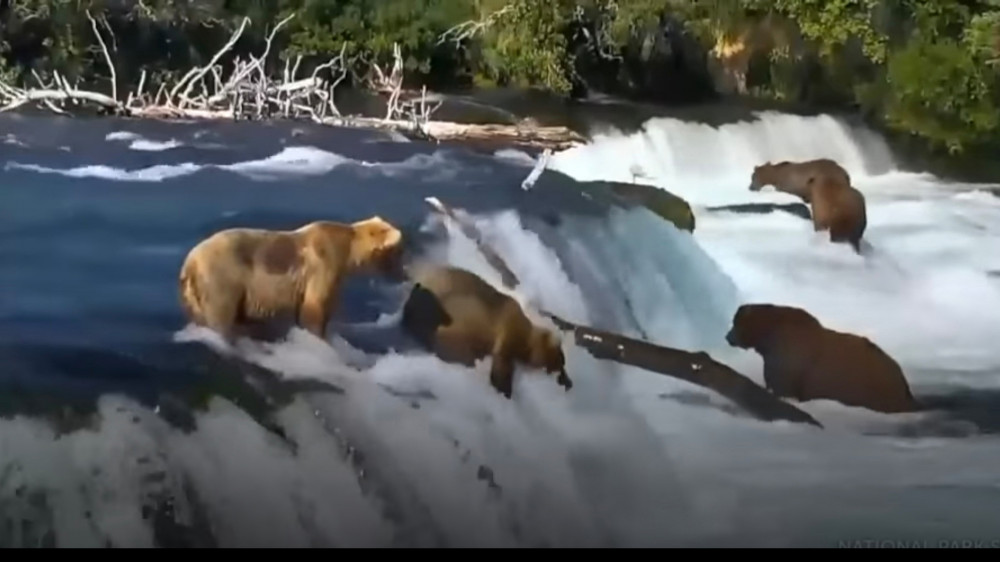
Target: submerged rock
{"x": 798, "y": 209}
{"x": 658, "y": 200}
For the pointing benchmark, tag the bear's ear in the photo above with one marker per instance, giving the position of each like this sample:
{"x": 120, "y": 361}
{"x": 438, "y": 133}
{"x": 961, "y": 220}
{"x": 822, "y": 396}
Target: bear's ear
{"x": 739, "y": 314}
{"x": 385, "y": 235}
{"x": 745, "y": 313}
{"x": 371, "y": 222}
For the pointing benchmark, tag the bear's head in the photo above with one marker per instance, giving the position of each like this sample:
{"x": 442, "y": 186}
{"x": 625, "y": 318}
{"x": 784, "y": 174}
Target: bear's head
{"x": 545, "y": 352}
{"x": 754, "y": 325}
{"x": 769, "y": 174}
{"x": 761, "y": 176}
{"x": 377, "y": 245}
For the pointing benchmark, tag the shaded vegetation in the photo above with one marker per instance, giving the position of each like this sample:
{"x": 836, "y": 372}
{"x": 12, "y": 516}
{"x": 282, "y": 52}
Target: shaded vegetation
{"x": 926, "y": 70}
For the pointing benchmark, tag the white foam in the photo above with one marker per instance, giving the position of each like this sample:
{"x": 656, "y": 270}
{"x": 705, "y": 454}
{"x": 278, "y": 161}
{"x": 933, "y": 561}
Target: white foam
{"x": 708, "y": 165}
{"x": 437, "y": 167}
{"x": 145, "y": 145}
{"x": 122, "y": 136}
{"x": 515, "y": 156}
{"x": 12, "y": 140}
{"x": 141, "y": 143}
{"x": 288, "y": 163}
{"x": 94, "y": 487}
{"x": 155, "y": 173}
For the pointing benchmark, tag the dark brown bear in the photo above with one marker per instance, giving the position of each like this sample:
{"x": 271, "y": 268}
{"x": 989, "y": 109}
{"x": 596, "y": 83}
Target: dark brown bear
{"x": 826, "y": 186}
{"x": 461, "y": 318}
{"x": 805, "y": 361}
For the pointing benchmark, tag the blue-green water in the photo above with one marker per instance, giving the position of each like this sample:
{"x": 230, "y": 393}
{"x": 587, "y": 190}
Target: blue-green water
{"x": 125, "y": 428}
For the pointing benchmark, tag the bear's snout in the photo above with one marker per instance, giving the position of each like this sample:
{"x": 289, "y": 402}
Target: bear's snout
{"x": 731, "y": 338}
{"x": 392, "y": 264}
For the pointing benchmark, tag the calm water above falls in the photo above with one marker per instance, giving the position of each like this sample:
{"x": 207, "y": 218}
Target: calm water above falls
{"x": 191, "y": 446}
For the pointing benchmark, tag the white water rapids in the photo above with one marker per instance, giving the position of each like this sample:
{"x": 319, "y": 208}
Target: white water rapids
{"x": 619, "y": 460}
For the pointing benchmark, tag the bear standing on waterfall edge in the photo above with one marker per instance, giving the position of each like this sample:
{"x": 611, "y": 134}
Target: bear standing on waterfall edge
{"x": 805, "y": 361}
{"x": 461, "y": 318}
{"x": 826, "y": 186}
{"x": 243, "y": 275}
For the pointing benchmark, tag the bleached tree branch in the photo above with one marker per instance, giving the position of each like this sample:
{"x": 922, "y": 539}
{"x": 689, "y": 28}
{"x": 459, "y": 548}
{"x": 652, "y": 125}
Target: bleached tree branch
{"x": 107, "y": 56}
{"x": 248, "y": 90}
{"x": 196, "y": 73}
{"x": 471, "y": 28}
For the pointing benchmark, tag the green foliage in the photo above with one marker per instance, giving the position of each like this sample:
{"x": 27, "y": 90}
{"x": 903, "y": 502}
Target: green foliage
{"x": 832, "y": 24}
{"x": 982, "y": 36}
{"x": 527, "y": 46}
{"x": 929, "y": 68}
{"x": 937, "y": 89}
{"x": 633, "y": 20}
{"x": 367, "y": 29}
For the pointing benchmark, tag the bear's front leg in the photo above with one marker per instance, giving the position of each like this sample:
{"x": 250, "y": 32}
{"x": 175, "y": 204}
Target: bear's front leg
{"x": 315, "y": 310}
{"x": 221, "y": 315}
{"x": 563, "y": 380}
{"x": 313, "y": 319}
{"x": 502, "y": 370}
{"x": 502, "y": 375}
{"x": 781, "y": 378}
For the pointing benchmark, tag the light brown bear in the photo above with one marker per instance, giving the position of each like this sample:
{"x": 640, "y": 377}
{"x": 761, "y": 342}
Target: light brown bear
{"x": 241, "y": 276}
{"x": 826, "y": 186}
{"x": 461, "y": 318}
{"x": 805, "y": 361}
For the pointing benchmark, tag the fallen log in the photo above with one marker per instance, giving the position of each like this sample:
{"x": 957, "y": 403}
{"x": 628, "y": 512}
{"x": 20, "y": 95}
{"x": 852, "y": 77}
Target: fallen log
{"x": 470, "y": 231}
{"x": 551, "y": 138}
{"x": 800, "y": 210}
{"x": 666, "y": 205}
{"x": 696, "y": 368}
{"x": 536, "y": 172}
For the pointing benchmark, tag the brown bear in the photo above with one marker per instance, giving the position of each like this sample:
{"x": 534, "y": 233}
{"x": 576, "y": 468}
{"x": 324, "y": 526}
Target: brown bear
{"x": 826, "y": 186}
{"x": 240, "y": 276}
{"x": 461, "y": 318}
{"x": 805, "y": 361}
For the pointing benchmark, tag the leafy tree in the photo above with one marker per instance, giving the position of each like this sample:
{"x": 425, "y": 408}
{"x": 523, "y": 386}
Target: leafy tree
{"x": 926, "y": 68}
{"x": 937, "y": 89}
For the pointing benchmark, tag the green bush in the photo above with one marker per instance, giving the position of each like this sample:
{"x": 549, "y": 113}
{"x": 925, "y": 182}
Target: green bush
{"x": 919, "y": 67}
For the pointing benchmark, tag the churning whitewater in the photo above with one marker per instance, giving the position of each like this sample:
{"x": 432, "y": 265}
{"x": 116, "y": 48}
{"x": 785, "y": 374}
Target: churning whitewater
{"x": 367, "y": 441}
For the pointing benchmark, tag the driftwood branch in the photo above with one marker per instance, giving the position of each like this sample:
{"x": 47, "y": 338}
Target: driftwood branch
{"x": 107, "y": 55}
{"x": 536, "y": 172}
{"x": 469, "y": 29}
{"x": 196, "y": 74}
{"x": 470, "y": 231}
{"x": 249, "y": 91}
{"x": 696, "y": 368}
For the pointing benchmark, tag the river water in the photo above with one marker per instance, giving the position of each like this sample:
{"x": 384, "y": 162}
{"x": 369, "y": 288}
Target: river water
{"x": 124, "y": 427}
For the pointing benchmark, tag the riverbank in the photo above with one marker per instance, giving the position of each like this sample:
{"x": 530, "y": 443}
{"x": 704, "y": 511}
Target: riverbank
{"x": 241, "y": 80}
